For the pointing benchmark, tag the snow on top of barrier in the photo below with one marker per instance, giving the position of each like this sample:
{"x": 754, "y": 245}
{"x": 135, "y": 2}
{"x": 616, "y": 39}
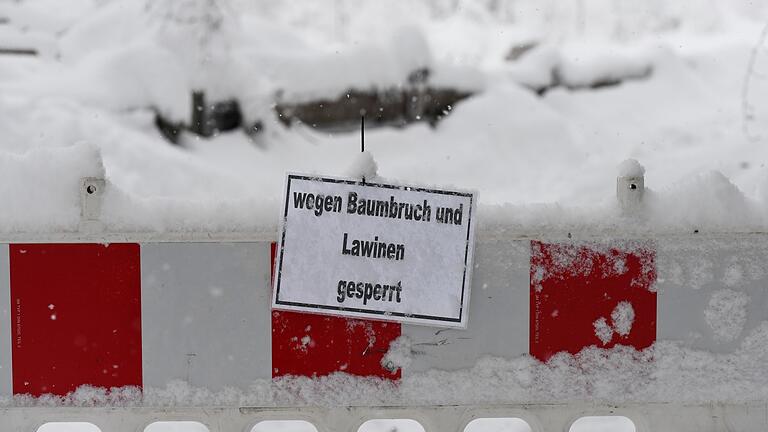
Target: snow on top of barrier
{"x": 363, "y": 167}
{"x": 631, "y": 168}
{"x": 38, "y": 189}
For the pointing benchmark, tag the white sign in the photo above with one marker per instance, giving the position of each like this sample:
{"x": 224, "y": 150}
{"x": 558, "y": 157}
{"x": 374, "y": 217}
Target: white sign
{"x": 375, "y": 251}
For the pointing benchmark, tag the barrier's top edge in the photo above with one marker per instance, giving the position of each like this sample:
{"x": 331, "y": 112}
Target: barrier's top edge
{"x": 483, "y": 234}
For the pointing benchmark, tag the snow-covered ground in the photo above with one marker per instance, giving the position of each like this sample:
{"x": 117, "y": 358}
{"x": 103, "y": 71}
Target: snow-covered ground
{"x": 692, "y": 107}
{"x": 697, "y": 121}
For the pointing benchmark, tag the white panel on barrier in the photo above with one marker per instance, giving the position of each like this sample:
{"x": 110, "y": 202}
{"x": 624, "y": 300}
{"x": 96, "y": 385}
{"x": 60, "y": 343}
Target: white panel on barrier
{"x": 6, "y": 376}
{"x": 498, "y": 313}
{"x": 68, "y": 427}
{"x": 502, "y": 424}
{"x": 391, "y": 425}
{"x": 603, "y": 424}
{"x": 176, "y": 426}
{"x": 206, "y": 313}
{"x": 711, "y": 292}
{"x": 284, "y": 426}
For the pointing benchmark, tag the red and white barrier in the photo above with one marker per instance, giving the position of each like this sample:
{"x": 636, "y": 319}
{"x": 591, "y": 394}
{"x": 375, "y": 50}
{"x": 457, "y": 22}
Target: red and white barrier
{"x": 144, "y": 314}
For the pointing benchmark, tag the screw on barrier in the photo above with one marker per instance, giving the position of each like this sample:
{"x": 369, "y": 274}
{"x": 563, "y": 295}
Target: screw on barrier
{"x": 91, "y": 191}
{"x": 630, "y": 188}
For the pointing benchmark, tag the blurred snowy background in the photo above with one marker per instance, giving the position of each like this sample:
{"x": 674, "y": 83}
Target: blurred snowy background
{"x": 530, "y": 102}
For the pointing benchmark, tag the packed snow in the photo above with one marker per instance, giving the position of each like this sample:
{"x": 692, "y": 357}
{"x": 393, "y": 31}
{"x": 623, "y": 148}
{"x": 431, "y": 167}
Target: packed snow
{"x": 603, "y": 331}
{"x": 666, "y": 372}
{"x": 622, "y": 317}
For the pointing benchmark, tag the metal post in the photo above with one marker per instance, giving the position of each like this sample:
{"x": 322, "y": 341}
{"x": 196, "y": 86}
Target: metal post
{"x": 630, "y": 188}
{"x": 91, "y": 194}
{"x": 200, "y": 115}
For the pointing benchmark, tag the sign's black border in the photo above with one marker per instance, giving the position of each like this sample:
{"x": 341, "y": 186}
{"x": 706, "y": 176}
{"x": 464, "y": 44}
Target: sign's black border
{"x": 279, "y": 269}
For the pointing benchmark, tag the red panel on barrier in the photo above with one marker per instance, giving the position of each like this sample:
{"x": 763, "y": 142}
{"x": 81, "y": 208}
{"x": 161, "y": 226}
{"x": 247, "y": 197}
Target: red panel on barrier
{"x": 76, "y": 316}
{"x": 315, "y": 345}
{"x": 584, "y": 295}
